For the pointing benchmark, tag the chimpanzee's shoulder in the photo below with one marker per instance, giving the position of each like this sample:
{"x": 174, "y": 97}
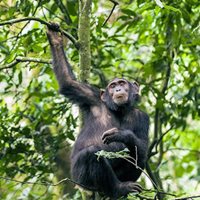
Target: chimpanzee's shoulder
{"x": 141, "y": 114}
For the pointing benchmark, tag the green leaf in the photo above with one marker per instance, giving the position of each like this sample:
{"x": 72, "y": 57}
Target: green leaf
{"x": 129, "y": 12}
{"x": 173, "y": 9}
{"x": 159, "y": 3}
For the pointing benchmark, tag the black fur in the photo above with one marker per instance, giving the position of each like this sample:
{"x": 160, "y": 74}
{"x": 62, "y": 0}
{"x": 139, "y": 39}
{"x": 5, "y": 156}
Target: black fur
{"x": 114, "y": 177}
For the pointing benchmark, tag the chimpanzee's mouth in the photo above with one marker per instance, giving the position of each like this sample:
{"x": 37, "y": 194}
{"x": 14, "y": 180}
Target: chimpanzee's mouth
{"x": 119, "y": 96}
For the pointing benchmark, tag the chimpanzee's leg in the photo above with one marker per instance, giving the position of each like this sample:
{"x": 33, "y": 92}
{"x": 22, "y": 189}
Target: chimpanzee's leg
{"x": 98, "y": 174}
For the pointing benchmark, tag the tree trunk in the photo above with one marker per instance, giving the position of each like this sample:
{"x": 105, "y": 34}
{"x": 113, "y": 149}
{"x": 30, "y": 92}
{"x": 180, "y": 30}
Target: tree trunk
{"x": 84, "y": 39}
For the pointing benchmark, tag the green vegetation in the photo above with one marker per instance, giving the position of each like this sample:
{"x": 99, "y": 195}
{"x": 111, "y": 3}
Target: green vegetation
{"x": 156, "y": 43}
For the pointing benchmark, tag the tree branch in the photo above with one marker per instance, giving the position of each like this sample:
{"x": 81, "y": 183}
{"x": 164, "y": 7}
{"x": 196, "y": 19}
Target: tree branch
{"x": 25, "y": 59}
{"x": 115, "y": 4}
{"x": 43, "y": 183}
{"x": 14, "y": 21}
{"x": 186, "y": 198}
{"x": 84, "y": 39}
{"x": 156, "y": 142}
{"x": 10, "y": 65}
{"x": 64, "y": 11}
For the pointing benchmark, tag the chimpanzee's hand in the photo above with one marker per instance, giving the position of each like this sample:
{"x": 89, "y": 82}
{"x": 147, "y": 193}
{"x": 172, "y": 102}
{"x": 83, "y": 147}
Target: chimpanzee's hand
{"x": 111, "y": 135}
{"x": 53, "y": 34}
{"x": 54, "y": 26}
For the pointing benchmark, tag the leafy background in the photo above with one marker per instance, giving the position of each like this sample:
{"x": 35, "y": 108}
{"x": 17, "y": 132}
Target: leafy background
{"x": 156, "y": 43}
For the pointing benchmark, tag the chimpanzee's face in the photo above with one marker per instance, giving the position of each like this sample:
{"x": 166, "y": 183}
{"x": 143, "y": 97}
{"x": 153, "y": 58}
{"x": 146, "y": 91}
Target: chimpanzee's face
{"x": 119, "y": 91}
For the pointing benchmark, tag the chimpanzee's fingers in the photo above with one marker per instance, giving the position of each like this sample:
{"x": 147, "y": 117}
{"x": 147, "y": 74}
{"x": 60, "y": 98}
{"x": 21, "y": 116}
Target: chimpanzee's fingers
{"x": 134, "y": 187}
{"x": 110, "y": 138}
{"x": 112, "y": 130}
{"x": 109, "y": 132}
{"x": 52, "y": 30}
{"x": 105, "y": 141}
{"x": 106, "y": 135}
{"x": 137, "y": 187}
{"x": 53, "y": 26}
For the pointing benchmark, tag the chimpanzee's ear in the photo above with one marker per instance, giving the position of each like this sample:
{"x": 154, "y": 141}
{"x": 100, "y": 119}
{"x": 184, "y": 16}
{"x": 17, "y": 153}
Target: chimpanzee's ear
{"x": 136, "y": 83}
{"x": 102, "y": 94}
{"x": 136, "y": 87}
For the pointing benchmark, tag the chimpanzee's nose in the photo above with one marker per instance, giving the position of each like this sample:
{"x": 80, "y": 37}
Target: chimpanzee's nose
{"x": 118, "y": 90}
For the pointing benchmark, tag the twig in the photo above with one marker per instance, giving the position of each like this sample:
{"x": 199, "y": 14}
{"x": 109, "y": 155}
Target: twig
{"x": 186, "y": 198}
{"x": 9, "y": 65}
{"x": 155, "y": 144}
{"x": 136, "y": 156}
{"x": 24, "y": 59}
{"x": 37, "y": 183}
{"x": 18, "y": 34}
{"x": 64, "y": 11}
{"x": 129, "y": 158}
{"x": 150, "y": 153}
{"x": 38, "y": 60}
{"x": 47, "y": 183}
{"x": 13, "y": 21}
{"x": 115, "y": 4}
{"x": 144, "y": 197}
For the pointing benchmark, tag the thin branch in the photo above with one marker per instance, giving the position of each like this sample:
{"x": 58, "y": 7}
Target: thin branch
{"x": 18, "y": 34}
{"x": 186, "y": 198}
{"x": 115, "y": 4}
{"x": 53, "y": 13}
{"x": 144, "y": 197}
{"x": 13, "y": 21}
{"x": 25, "y": 59}
{"x": 136, "y": 156}
{"x": 129, "y": 158}
{"x": 38, "y": 60}
{"x": 157, "y": 124}
{"x": 152, "y": 176}
{"x": 47, "y": 184}
{"x": 167, "y": 77}
{"x": 160, "y": 140}
{"x": 150, "y": 153}
{"x": 10, "y": 65}
{"x": 64, "y": 11}
{"x": 39, "y": 183}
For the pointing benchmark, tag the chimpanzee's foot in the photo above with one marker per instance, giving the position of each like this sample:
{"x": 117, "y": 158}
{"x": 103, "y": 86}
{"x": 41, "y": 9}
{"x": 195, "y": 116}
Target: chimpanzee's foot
{"x": 127, "y": 187}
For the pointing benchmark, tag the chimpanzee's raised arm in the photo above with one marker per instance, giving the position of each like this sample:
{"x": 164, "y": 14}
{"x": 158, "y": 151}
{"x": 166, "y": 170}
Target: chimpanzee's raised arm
{"x": 77, "y": 92}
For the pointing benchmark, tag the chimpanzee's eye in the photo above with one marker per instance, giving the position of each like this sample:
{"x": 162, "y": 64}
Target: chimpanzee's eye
{"x": 112, "y": 85}
{"x": 122, "y": 83}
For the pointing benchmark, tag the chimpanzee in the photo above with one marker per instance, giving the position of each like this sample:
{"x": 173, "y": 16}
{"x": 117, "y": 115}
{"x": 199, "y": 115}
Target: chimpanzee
{"x": 111, "y": 122}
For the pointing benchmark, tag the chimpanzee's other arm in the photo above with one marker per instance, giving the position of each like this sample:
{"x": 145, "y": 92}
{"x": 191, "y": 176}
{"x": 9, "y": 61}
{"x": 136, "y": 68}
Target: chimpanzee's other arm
{"x": 132, "y": 139}
{"x": 77, "y": 92}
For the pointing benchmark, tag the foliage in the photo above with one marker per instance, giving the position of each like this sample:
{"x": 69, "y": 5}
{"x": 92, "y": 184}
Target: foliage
{"x": 112, "y": 155}
{"x": 156, "y": 43}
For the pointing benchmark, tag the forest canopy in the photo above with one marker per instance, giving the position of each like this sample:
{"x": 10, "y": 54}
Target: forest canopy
{"x": 156, "y": 43}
